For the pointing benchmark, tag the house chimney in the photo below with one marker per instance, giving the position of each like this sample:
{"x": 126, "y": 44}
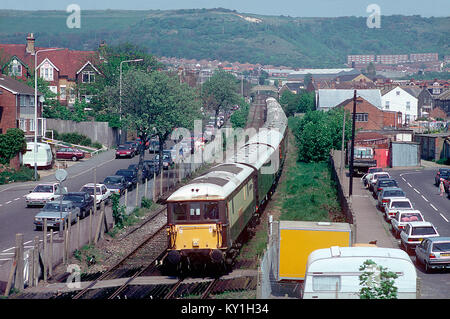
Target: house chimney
{"x": 30, "y": 43}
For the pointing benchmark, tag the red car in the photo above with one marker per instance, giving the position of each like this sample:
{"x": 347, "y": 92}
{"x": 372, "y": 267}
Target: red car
{"x": 71, "y": 153}
{"x": 126, "y": 150}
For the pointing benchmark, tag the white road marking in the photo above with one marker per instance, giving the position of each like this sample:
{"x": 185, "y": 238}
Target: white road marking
{"x": 7, "y": 202}
{"x": 443, "y": 217}
{"x": 434, "y": 207}
{"x": 425, "y": 198}
{"x": 17, "y": 198}
{"x": 409, "y": 184}
{"x": 416, "y": 191}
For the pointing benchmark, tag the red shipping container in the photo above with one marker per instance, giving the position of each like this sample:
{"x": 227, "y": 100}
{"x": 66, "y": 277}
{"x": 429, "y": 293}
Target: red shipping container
{"x": 382, "y": 157}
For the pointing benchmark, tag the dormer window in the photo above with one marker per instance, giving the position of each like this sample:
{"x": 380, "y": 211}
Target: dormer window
{"x": 15, "y": 68}
{"x": 88, "y": 76}
{"x": 46, "y": 72}
{"x": 397, "y": 92}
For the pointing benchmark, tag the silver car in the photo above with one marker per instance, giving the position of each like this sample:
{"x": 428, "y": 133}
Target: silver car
{"x": 434, "y": 253}
{"x": 52, "y": 212}
{"x": 387, "y": 194}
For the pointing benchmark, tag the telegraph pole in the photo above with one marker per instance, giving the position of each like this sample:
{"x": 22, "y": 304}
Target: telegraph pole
{"x": 352, "y": 151}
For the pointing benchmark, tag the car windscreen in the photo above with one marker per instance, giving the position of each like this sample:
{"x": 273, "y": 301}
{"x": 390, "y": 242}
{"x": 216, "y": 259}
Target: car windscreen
{"x": 112, "y": 180}
{"x": 387, "y": 183}
{"x": 381, "y": 176}
{"x": 394, "y": 193}
{"x": 54, "y": 207}
{"x": 43, "y": 189}
{"x": 74, "y": 198}
{"x": 125, "y": 173}
{"x": 423, "y": 230}
{"x": 444, "y": 246}
{"x": 124, "y": 147}
{"x": 401, "y": 205}
{"x": 411, "y": 217}
{"x": 90, "y": 190}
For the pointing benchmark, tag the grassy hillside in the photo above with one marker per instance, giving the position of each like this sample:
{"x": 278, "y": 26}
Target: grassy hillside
{"x": 228, "y": 35}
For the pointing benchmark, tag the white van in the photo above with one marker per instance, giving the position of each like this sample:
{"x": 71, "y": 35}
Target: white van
{"x": 44, "y": 158}
{"x": 333, "y": 273}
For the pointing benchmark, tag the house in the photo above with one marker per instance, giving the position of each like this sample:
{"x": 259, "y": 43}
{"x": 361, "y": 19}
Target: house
{"x": 399, "y": 100}
{"x": 294, "y": 87}
{"x": 370, "y": 117}
{"x": 17, "y": 109}
{"x": 64, "y": 69}
{"x": 329, "y": 98}
{"x": 442, "y": 101}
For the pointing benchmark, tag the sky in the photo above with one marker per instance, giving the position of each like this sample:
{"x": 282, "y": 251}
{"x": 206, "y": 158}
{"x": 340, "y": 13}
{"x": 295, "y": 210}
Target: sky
{"x": 293, "y": 8}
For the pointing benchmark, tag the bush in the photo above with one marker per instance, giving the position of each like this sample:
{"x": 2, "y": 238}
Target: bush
{"x": 11, "y": 175}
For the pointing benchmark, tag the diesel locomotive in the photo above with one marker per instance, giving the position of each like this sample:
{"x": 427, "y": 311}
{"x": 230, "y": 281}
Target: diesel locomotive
{"x": 210, "y": 216}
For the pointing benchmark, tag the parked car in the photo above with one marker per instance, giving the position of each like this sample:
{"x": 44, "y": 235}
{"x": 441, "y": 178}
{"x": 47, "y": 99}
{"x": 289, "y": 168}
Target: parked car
{"x": 125, "y": 151}
{"x": 434, "y": 253}
{"x": 116, "y": 184}
{"x": 375, "y": 177}
{"x": 152, "y": 166}
{"x": 167, "y": 159}
{"x": 387, "y": 194}
{"x": 101, "y": 192}
{"x": 371, "y": 170}
{"x": 43, "y": 193}
{"x": 134, "y": 145}
{"x": 147, "y": 173}
{"x": 69, "y": 153}
{"x": 153, "y": 146}
{"x": 383, "y": 183}
{"x": 129, "y": 175}
{"x": 398, "y": 222}
{"x": 414, "y": 233}
{"x": 82, "y": 200}
{"x": 441, "y": 173}
{"x": 52, "y": 211}
{"x": 396, "y": 205}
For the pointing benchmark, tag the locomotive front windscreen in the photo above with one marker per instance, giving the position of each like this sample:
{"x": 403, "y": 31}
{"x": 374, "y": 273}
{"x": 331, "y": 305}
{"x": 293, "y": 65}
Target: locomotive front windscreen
{"x": 194, "y": 211}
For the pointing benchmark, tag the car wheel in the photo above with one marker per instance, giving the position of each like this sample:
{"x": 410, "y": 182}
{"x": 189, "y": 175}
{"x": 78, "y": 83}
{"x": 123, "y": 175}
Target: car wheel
{"x": 426, "y": 267}
{"x": 74, "y": 158}
{"x": 38, "y": 228}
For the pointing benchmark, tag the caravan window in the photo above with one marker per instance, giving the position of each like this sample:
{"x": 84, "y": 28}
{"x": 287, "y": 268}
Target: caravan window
{"x": 326, "y": 283}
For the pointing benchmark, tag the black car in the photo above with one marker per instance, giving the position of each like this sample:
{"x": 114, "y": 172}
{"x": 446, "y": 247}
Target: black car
{"x": 147, "y": 173}
{"x": 82, "y": 200}
{"x": 130, "y": 176}
{"x": 116, "y": 184}
{"x": 167, "y": 159}
{"x": 381, "y": 183}
{"x": 153, "y": 167}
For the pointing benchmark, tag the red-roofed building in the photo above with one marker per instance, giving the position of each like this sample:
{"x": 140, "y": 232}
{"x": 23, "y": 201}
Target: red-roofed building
{"x": 63, "y": 69}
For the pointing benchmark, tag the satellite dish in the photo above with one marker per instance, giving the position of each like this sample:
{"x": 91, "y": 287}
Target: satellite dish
{"x": 61, "y": 175}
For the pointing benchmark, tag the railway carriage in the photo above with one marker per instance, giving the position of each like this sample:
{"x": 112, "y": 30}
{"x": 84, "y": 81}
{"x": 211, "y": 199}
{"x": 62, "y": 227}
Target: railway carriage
{"x": 210, "y": 216}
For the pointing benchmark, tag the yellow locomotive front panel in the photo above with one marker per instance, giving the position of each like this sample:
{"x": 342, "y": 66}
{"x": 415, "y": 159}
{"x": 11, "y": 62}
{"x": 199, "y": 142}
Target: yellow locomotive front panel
{"x": 195, "y": 236}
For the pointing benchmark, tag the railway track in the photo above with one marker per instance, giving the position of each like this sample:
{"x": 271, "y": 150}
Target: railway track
{"x": 136, "y": 269}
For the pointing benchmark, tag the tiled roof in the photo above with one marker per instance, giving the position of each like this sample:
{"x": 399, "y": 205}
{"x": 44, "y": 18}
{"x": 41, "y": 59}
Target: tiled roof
{"x": 67, "y": 61}
{"x": 15, "y": 86}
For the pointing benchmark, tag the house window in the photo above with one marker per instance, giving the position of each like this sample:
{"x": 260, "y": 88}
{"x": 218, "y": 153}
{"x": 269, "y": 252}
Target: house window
{"x": 22, "y": 125}
{"x": 15, "y": 68}
{"x": 88, "y": 77}
{"x": 46, "y": 72}
{"x": 53, "y": 89}
{"x": 397, "y": 92}
{"x": 408, "y": 105}
{"x": 386, "y": 106}
{"x": 62, "y": 92}
{"x": 31, "y": 125}
{"x": 362, "y": 117}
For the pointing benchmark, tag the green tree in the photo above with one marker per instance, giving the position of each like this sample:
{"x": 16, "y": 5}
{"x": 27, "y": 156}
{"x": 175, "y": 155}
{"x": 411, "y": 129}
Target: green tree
{"x": 377, "y": 282}
{"x": 318, "y": 132}
{"x": 11, "y": 143}
{"x": 220, "y": 92}
{"x": 153, "y": 104}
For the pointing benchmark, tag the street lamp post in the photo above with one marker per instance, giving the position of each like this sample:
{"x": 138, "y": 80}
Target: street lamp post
{"x": 120, "y": 95}
{"x": 36, "y": 107}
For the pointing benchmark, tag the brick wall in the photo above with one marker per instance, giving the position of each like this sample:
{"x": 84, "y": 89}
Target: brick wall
{"x": 376, "y": 119}
{"x": 8, "y": 103}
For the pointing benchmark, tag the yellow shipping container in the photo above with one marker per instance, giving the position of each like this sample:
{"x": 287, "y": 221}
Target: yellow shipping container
{"x": 297, "y": 239}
